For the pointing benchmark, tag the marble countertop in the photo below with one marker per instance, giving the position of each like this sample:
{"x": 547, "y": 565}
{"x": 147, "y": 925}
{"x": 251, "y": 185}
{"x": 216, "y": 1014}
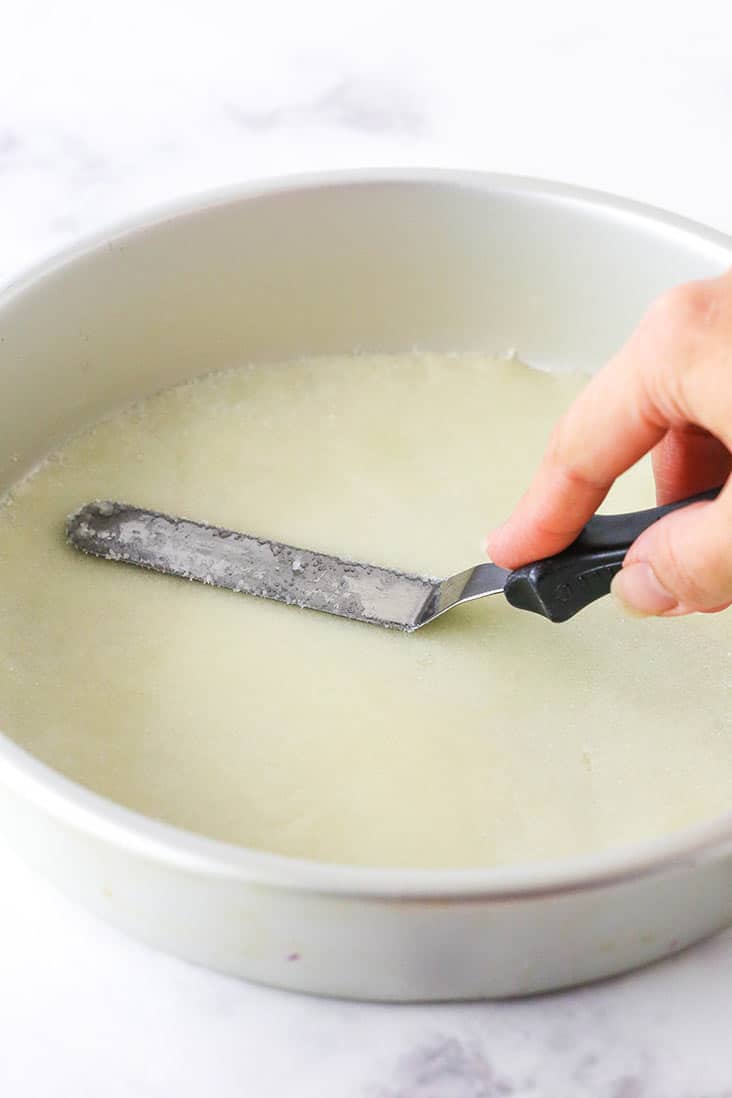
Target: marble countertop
{"x": 105, "y": 110}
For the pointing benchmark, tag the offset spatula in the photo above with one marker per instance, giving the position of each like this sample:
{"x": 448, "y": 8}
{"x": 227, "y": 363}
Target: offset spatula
{"x": 556, "y": 587}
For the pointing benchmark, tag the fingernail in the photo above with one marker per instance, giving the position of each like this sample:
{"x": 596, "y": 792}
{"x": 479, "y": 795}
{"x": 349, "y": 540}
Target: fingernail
{"x": 640, "y": 592}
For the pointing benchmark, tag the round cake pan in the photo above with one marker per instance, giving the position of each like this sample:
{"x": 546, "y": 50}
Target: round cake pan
{"x": 381, "y": 261}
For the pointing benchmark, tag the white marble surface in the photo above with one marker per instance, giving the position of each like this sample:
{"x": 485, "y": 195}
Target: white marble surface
{"x": 106, "y": 109}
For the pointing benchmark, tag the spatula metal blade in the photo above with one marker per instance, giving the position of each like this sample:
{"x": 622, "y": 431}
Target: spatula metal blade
{"x": 250, "y": 565}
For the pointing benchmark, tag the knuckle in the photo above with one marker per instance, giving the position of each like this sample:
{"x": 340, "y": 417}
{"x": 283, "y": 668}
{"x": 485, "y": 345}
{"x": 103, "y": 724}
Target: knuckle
{"x": 684, "y": 308}
{"x": 682, "y": 329}
{"x": 569, "y": 459}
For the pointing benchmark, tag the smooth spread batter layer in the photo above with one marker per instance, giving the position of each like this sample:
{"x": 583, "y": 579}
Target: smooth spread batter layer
{"x": 488, "y": 737}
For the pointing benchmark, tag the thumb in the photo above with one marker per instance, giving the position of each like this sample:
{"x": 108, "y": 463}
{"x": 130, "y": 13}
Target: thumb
{"x": 681, "y": 564}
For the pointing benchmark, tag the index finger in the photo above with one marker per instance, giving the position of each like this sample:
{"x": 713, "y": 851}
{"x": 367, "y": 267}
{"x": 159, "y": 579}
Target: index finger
{"x": 610, "y": 426}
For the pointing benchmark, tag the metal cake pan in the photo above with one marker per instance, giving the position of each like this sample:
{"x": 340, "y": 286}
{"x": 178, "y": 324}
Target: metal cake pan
{"x": 383, "y": 261}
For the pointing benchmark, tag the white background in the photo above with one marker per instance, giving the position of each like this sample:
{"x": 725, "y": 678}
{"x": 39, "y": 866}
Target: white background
{"x": 108, "y": 108}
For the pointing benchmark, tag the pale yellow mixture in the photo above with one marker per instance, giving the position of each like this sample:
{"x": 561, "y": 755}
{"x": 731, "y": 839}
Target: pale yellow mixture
{"x": 489, "y": 737}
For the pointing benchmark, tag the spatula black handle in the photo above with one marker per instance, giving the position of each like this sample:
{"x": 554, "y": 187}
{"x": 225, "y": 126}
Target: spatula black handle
{"x": 558, "y": 587}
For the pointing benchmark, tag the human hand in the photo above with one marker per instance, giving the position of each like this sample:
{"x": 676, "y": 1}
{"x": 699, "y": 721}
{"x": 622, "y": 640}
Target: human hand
{"x": 668, "y": 390}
